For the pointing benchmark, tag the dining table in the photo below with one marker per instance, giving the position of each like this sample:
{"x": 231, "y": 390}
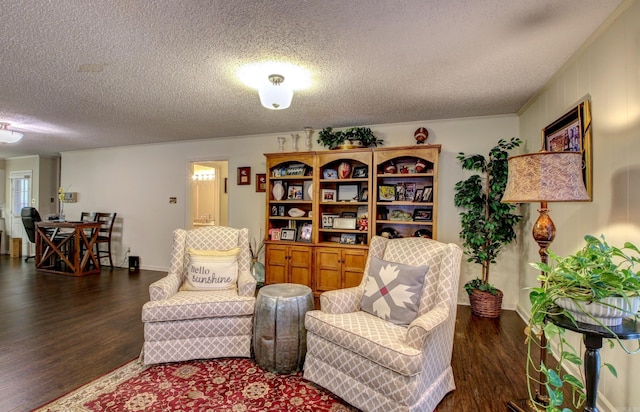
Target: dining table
{"x": 67, "y": 248}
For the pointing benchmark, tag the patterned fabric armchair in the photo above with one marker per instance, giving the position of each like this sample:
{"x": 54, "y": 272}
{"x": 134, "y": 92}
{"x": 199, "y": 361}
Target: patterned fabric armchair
{"x": 181, "y": 324}
{"x": 379, "y": 366}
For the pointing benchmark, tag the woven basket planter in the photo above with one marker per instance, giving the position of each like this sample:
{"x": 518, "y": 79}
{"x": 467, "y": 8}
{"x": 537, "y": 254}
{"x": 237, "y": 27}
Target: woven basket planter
{"x": 485, "y": 304}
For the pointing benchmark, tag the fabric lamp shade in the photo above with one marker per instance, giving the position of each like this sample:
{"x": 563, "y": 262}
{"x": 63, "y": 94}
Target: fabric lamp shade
{"x": 275, "y": 96}
{"x": 545, "y": 177}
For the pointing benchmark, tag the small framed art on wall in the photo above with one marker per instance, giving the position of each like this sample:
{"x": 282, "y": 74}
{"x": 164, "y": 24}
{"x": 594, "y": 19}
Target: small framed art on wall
{"x": 244, "y": 176}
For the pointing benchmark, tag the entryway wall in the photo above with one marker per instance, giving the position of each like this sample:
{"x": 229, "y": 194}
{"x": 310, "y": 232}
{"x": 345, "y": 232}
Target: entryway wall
{"x": 44, "y": 190}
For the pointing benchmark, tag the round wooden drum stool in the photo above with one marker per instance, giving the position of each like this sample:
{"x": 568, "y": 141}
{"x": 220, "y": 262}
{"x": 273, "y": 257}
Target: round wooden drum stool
{"x": 279, "y": 336}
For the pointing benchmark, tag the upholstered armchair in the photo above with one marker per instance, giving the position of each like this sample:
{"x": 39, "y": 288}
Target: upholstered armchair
{"x": 377, "y": 365}
{"x": 181, "y": 323}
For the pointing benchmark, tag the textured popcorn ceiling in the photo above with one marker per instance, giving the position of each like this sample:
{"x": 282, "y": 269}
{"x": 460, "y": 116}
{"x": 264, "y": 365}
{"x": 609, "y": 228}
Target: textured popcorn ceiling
{"x": 78, "y": 74}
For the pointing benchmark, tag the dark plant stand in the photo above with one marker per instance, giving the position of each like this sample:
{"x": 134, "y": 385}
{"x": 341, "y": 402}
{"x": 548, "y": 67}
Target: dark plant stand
{"x": 592, "y": 337}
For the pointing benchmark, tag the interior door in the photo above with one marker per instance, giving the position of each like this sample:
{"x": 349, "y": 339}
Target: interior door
{"x": 20, "y": 197}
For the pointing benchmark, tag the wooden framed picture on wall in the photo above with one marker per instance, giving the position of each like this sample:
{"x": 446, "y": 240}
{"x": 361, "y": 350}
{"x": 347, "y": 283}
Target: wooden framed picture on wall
{"x": 261, "y": 182}
{"x": 572, "y": 133}
{"x": 244, "y": 176}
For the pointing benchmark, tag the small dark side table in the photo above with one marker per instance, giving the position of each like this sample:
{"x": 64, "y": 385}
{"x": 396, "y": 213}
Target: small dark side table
{"x": 592, "y": 337}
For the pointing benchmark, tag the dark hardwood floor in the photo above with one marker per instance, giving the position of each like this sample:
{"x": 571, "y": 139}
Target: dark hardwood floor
{"x": 59, "y": 332}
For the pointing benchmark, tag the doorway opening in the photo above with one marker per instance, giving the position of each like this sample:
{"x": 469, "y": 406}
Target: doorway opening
{"x": 207, "y": 193}
{"x": 20, "y": 197}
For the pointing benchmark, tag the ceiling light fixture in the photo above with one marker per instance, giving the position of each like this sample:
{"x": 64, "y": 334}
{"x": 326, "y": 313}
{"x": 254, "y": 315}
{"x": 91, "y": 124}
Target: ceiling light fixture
{"x": 8, "y": 136}
{"x": 275, "y": 95}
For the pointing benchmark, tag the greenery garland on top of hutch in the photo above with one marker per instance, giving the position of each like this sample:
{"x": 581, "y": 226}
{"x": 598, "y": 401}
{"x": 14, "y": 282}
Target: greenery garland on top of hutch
{"x": 323, "y": 208}
{"x": 353, "y": 137}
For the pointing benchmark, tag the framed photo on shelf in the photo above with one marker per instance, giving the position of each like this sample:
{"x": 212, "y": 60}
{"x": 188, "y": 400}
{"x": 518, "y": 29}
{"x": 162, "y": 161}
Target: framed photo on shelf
{"x": 274, "y": 210}
{"x": 287, "y": 233}
{"x": 400, "y": 192}
{"x": 427, "y": 194}
{"x": 386, "y": 193}
{"x": 344, "y": 223}
{"x": 304, "y": 234}
{"x": 348, "y": 193}
{"x": 348, "y": 239}
{"x": 348, "y": 214}
{"x": 418, "y": 195}
{"x": 328, "y": 195}
{"x": 422, "y": 215}
{"x": 297, "y": 169}
{"x": 281, "y": 210}
{"x": 294, "y": 192}
{"x": 409, "y": 192}
{"x": 327, "y": 220}
{"x": 364, "y": 195}
{"x": 261, "y": 182}
{"x": 274, "y": 234}
{"x": 572, "y": 133}
{"x": 244, "y": 176}
{"x": 329, "y": 174}
{"x": 360, "y": 172}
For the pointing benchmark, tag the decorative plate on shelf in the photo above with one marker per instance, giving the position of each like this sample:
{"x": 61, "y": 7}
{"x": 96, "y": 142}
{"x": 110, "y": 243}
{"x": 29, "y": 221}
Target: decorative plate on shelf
{"x": 278, "y": 190}
{"x": 344, "y": 170}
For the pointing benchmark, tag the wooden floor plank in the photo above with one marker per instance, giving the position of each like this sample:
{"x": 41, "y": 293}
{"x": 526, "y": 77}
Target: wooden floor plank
{"x": 59, "y": 332}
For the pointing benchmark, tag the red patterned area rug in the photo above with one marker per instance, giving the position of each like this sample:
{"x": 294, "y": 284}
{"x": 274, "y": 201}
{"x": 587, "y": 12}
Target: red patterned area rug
{"x": 233, "y": 385}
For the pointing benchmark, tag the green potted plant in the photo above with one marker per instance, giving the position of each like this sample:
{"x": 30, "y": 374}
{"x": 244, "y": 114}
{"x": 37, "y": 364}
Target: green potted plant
{"x": 349, "y": 138}
{"x": 363, "y": 135}
{"x": 598, "y": 274}
{"x": 487, "y": 224}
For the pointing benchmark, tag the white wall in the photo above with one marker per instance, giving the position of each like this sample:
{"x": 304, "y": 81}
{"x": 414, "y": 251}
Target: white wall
{"x": 608, "y": 70}
{"x": 48, "y": 185}
{"x": 137, "y": 181}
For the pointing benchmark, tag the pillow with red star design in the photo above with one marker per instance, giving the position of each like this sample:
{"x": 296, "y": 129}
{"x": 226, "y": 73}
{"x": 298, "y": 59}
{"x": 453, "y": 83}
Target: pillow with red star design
{"x": 392, "y": 291}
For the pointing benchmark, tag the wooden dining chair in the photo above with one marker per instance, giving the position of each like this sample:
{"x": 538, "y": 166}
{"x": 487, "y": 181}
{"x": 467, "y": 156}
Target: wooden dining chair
{"x": 87, "y": 217}
{"x": 104, "y": 235}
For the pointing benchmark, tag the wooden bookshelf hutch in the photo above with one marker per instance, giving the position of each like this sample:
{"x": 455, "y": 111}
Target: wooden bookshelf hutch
{"x": 322, "y": 208}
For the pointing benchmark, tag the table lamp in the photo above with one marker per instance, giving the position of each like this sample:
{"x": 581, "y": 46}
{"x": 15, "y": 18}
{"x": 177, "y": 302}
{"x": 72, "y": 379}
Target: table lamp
{"x": 543, "y": 177}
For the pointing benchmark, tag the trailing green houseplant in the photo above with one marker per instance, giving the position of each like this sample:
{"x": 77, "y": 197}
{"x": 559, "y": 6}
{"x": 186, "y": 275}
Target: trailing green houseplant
{"x": 487, "y": 224}
{"x": 333, "y": 139}
{"x": 364, "y": 135}
{"x": 598, "y": 271}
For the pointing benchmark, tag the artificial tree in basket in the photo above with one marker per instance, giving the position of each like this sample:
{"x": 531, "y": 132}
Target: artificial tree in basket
{"x": 487, "y": 224}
